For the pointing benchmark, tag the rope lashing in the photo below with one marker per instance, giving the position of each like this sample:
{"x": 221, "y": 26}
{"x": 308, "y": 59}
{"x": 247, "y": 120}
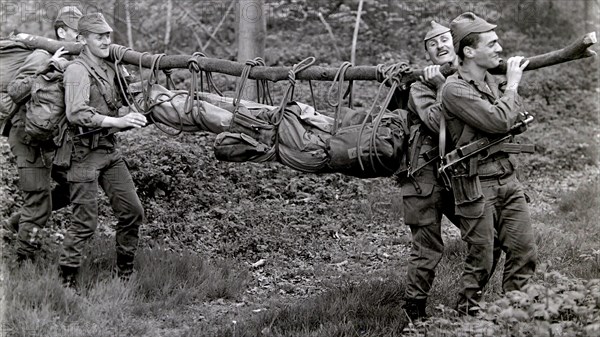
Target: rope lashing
{"x": 210, "y": 84}
{"x": 170, "y": 84}
{"x": 243, "y": 77}
{"x": 117, "y": 54}
{"x": 392, "y": 74}
{"x": 263, "y": 95}
{"x": 296, "y": 68}
{"x": 194, "y": 69}
{"x": 339, "y": 77}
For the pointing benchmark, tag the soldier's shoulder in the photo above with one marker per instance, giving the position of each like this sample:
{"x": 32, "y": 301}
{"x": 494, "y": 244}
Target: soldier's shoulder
{"x": 76, "y": 67}
{"x": 38, "y": 56}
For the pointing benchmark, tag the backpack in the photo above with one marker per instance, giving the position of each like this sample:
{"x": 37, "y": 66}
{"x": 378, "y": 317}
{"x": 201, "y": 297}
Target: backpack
{"x": 12, "y": 56}
{"x": 45, "y": 117}
{"x": 45, "y": 113}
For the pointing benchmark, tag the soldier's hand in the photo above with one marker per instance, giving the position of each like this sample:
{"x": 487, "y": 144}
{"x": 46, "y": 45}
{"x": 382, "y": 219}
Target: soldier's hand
{"x": 514, "y": 72}
{"x": 133, "y": 119}
{"x": 57, "y": 57}
{"x": 433, "y": 76}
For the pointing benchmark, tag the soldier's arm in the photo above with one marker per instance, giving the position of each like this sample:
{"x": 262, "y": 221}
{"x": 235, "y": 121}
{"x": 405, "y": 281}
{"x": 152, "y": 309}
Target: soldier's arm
{"x": 427, "y": 103}
{"x": 19, "y": 88}
{"x": 463, "y": 101}
{"x": 77, "y": 98}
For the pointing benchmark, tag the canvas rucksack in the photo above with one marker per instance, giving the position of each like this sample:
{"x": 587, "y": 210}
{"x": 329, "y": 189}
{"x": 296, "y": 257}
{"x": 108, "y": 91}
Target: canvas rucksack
{"x": 45, "y": 116}
{"x": 46, "y": 107}
{"x": 12, "y": 56}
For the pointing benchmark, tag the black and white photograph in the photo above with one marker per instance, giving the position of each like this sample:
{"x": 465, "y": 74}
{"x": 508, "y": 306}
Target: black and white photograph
{"x": 242, "y": 168}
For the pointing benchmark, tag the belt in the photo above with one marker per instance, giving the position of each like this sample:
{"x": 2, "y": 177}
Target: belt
{"x": 497, "y": 181}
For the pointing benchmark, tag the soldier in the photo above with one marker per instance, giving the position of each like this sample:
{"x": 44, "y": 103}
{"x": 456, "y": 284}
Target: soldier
{"x": 423, "y": 194}
{"x": 92, "y": 102}
{"x": 489, "y": 199}
{"x": 34, "y": 159}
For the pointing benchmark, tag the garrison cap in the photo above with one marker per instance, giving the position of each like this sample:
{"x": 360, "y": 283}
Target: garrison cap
{"x": 468, "y": 23}
{"x": 436, "y": 29}
{"x": 69, "y": 15}
{"x": 94, "y": 23}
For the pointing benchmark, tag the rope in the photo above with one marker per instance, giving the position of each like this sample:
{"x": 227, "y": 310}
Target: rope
{"x": 170, "y": 84}
{"x": 296, "y": 68}
{"x": 210, "y": 83}
{"x": 194, "y": 69}
{"x": 243, "y": 77}
{"x": 339, "y": 77}
{"x": 391, "y": 74}
{"x": 117, "y": 54}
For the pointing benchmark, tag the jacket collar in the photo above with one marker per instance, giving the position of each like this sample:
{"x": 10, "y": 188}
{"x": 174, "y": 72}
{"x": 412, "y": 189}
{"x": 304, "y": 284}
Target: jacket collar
{"x": 489, "y": 86}
{"x": 101, "y": 69}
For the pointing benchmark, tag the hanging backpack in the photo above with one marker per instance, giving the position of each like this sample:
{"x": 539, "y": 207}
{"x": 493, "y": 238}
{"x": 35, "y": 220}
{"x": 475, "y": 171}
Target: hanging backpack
{"x": 46, "y": 108}
{"x": 12, "y": 56}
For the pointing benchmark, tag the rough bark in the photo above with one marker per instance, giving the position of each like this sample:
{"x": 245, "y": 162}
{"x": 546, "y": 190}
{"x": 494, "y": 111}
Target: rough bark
{"x": 577, "y": 50}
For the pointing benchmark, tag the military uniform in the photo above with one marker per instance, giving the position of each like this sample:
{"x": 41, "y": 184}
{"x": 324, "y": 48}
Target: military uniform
{"x": 34, "y": 159}
{"x": 424, "y": 197}
{"x": 490, "y": 201}
{"x": 97, "y": 162}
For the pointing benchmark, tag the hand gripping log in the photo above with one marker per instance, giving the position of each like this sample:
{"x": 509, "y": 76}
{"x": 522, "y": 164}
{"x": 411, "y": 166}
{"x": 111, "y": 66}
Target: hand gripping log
{"x": 578, "y": 49}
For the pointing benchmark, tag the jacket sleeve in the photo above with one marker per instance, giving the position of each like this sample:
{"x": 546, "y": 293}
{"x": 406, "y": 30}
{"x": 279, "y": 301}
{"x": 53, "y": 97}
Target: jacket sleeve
{"x": 427, "y": 103}
{"x": 77, "y": 98}
{"x": 466, "y": 103}
{"x": 19, "y": 89}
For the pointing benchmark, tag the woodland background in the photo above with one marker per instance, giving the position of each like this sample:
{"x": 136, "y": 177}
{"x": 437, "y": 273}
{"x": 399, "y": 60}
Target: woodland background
{"x": 246, "y": 249}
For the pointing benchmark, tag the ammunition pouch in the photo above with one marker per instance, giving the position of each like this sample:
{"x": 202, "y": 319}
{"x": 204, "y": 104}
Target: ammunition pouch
{"x": 62, "y": 157}
{"x": 468, "y": 196}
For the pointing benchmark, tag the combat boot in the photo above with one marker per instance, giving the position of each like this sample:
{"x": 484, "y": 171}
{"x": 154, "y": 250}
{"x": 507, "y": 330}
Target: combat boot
{"x": 415, "y": 309}
{"x": 125, "y": 266}
{"x": 69, "y": 277}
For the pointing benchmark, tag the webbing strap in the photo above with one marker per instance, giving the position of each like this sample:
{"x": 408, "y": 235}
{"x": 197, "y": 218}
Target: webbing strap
{"x": 442, "y": 136}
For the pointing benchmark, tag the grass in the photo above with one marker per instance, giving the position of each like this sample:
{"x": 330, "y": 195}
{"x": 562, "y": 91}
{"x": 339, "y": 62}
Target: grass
{"x": 372, "y": 307}
{"x": 38, "y": 305}
{"x": 171, "y": 291}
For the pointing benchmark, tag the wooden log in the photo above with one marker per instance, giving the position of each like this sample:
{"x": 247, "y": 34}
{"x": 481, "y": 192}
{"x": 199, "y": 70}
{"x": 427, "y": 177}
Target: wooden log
{"x": 577, "y": 50}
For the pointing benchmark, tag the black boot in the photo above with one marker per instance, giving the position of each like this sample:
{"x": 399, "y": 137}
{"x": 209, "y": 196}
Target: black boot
{"x": 415, "y": 309}
{"x": 69, "y": 276}
{"x": 124, "y": 266}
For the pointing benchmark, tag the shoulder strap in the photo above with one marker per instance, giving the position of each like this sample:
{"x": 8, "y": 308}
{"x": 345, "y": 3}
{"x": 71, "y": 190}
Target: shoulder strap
{"x": 442, "y": 136}
{"x": 101, "y": 85}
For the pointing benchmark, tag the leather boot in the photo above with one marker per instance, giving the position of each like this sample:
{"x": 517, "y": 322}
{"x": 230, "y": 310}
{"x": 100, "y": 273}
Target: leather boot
{"x": 69, "y": 276}
{"x": 124, "y": 266}
{"x": 415, "y": 309}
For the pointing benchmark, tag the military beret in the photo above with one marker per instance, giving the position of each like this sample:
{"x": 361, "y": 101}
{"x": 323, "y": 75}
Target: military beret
{"x": 468, "y": 23}
{"x": 69, "y": 15}
{"x": 94, "y": 23}
{"x": 436, "y": 29}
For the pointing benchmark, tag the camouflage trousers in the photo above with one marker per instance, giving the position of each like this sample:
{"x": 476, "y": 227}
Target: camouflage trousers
{"x": 105, "y": 168}
{"x": 34, "y": 165}
{"x": 503, "y": 221}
